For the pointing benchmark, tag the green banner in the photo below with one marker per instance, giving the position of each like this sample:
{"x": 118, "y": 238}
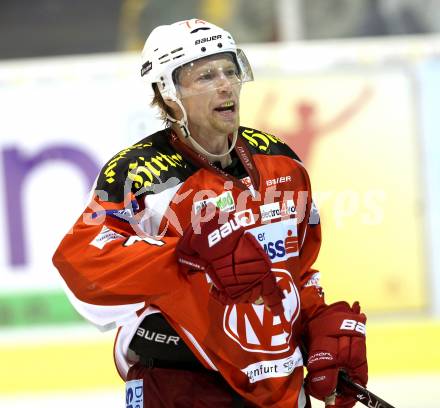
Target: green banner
{"x": 36, "y": 308}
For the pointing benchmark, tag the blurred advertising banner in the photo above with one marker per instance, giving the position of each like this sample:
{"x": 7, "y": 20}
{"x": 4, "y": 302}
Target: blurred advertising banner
{"x": 356, "y": 127}
{"x": 357, "y": 132}
{"x": 429, "y": 75}
{"x": 62, "y": 119}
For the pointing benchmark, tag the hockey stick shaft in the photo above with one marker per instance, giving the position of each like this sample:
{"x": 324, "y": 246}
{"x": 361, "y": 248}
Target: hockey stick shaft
{"x": 360, "y": 393}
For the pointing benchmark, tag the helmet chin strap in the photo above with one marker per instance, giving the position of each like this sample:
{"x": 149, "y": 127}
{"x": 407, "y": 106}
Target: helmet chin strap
{"x": 183, "y": 125}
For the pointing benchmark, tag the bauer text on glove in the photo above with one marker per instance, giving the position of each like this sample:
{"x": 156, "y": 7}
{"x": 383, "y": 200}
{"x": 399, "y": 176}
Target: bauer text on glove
{"x": 236, "y": 264}
{"x": 336, "y": 341}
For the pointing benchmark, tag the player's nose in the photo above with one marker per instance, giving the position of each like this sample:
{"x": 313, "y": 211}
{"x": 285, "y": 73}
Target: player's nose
{"x": 224, "y": 84}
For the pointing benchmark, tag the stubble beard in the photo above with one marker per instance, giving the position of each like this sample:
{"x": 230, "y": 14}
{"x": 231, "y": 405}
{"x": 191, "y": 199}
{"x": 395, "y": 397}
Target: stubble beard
{"x": 227, "y": 127}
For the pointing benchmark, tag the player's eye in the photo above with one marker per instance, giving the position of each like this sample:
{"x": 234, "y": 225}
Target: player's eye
{"x": 231, "y": 72}
{"x": 206, "y": 76}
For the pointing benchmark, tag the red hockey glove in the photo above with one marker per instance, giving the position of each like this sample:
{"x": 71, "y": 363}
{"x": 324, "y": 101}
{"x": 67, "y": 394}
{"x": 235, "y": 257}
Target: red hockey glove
{"x": 234, "y": 260}
{"x": 336, "y": 341}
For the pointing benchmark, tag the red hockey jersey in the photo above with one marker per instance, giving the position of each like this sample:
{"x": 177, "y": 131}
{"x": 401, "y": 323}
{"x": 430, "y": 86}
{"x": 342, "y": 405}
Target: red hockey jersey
{"x": 118, "y": 261}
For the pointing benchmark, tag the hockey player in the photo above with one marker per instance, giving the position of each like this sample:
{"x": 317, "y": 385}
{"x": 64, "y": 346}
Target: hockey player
{"x": 199, "y": 244}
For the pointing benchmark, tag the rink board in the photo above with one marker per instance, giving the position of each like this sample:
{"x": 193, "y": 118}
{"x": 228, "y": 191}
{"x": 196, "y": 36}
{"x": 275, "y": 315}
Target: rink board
{"x": 75, "y": 361}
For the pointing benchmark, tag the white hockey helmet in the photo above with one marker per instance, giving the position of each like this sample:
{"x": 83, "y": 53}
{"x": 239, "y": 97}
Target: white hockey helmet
{"x": 169, "y": 47}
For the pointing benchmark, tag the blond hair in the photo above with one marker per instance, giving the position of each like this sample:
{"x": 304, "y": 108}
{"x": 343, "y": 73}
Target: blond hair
{"x": 159, "y": 102}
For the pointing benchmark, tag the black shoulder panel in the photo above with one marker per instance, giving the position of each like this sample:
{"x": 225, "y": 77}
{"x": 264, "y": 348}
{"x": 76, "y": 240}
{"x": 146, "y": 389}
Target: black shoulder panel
{"x": 264, "y": 143}
{"x": 149, "y": 166}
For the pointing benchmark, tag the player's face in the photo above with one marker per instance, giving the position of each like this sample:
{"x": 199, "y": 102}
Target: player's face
{"x": 210, "y": 92}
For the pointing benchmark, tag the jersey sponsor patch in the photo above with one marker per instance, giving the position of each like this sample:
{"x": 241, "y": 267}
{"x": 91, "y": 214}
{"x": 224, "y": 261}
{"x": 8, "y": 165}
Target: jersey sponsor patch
{"x": 277, "y": 210}
{"x": 224, "y": 202}
{"x": 248, "y": 183}
{"x": 104, "y": 237}
{"x": 273, "y": 368}
{"x": 125, "y": 214}
{"x": 278, "y": 180}
{"x": 260, "y": 140}
{"x": 145, "y": 173}
{"x": 279, "y": 239}
{"x": 134, "y": 394}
